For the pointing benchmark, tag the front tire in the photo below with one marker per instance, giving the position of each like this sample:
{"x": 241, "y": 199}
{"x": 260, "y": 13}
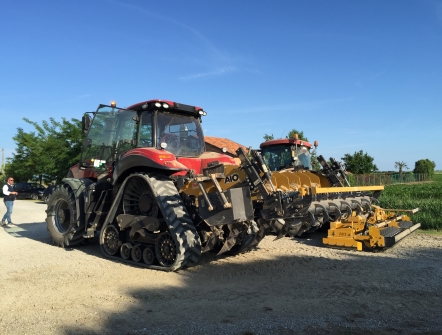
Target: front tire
{"x": 65, "y": 225}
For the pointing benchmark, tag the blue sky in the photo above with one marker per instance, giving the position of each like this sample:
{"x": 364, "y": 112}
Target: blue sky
{"x": 354, "y": 75}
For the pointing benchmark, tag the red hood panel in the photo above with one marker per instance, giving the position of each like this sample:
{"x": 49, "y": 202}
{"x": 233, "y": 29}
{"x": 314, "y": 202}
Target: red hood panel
{"x": 199, "y": 163}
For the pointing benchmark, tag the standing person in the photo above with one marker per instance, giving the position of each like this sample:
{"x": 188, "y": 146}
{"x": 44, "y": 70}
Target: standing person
{"x": 9, "y": 197}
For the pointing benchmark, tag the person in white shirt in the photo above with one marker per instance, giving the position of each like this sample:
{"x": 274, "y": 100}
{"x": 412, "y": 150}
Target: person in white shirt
{"x": 9, "y": 197}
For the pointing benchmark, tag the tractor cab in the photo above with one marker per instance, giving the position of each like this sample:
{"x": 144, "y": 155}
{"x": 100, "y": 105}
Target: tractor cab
{"x": 287, "y": 153}
{"x": 162, "y": 126}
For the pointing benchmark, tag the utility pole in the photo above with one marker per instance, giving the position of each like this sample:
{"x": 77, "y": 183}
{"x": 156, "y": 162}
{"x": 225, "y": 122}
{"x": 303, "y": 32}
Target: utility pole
{"x": 3, "y": 161}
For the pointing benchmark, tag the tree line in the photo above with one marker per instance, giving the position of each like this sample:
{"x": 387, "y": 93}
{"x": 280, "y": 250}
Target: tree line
{"x": 48, "y": 152}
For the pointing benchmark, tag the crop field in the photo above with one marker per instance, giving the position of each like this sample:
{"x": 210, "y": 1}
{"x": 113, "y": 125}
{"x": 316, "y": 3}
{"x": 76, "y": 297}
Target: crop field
{"x": 426, "y": 196}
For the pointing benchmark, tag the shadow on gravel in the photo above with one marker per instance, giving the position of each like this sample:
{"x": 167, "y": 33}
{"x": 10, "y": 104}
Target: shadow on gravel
{"x": 289, "y": 295}
{"x": 32, "y": 230}
{"x": 292, "y": 294}
{"x": 37, "y": 231}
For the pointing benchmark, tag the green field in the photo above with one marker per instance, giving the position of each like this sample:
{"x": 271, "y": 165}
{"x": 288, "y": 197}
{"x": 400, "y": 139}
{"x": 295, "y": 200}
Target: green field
{"x": 426, "y": 196}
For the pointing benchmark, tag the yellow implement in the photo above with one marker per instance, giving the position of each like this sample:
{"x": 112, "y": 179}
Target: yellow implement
{"x": 382, "y": 229}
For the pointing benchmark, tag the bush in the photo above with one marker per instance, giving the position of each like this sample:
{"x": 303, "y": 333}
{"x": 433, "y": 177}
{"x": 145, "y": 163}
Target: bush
{"x": 424, "y": 166}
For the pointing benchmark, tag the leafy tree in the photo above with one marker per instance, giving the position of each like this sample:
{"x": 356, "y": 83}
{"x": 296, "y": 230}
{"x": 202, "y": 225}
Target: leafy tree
{"x": 314, "y": 160}
{"x": 48, "y": 152}
{"x": 268, "y": 137}
{"x": 425, "y": 166}
{"x": 28, "y": 161}
{"x": 400, "y": 165}
{"x": 300, "y": 135}
{"x": 359, "y": 163}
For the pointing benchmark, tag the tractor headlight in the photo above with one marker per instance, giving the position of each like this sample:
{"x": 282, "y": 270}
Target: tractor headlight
{"x": 165, "y": 105}
{"x": 158, "y": 104}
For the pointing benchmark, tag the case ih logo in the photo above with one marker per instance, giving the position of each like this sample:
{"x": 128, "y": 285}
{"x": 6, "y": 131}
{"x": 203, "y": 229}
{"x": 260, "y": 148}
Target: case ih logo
{"x": 231, "y": 178}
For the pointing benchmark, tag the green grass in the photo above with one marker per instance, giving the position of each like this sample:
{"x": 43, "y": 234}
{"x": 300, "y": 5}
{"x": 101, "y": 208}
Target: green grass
{"x": 431, "y": 232}
{"x": 426, "y": 196}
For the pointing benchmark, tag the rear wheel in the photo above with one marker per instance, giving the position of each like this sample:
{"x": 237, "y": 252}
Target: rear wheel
{"x": 34, "y": 196}
{"x": 65, "y": 225}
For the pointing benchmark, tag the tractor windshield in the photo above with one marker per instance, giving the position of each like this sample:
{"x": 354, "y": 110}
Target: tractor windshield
{"x": 181, "y": 133}
{"x": 278, "y": 157}
{"x": 112, "y": 132}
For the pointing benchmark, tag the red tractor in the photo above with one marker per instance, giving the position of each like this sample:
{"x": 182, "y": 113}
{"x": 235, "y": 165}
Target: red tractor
{"x": 146, "y": 187}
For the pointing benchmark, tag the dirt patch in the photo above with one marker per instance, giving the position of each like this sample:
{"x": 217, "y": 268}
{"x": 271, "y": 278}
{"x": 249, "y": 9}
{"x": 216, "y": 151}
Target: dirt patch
{"x": 284, "y": 287}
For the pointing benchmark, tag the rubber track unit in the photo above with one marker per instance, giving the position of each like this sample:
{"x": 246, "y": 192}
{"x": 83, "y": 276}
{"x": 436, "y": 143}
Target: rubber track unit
{"x": 178, "y": 220}
{"x": 405, "y": 224}
{"x": 390, "y": 231}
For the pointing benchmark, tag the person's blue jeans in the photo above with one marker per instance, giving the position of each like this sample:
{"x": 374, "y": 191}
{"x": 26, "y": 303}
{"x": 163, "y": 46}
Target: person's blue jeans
{"x": 7, "y": 216}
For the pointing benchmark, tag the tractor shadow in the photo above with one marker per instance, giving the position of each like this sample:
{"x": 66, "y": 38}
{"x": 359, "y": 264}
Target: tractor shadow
{"x": 37, "y": 231}
{"x": 311, "y": 239}
{"x": 288, "y": 294}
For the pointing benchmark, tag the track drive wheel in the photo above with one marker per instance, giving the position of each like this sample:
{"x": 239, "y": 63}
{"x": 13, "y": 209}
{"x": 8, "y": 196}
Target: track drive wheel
{"x": 165, "y": 249}
{"x": 65, "y": 225}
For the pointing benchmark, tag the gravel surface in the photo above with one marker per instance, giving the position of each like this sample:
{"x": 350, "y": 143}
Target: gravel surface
{"x": 289, "y": 286}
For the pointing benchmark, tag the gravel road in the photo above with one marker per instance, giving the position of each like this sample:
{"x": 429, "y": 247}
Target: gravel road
{"x": 289, "y": 286}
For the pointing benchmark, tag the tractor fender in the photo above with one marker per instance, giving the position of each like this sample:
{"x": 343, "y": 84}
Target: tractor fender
{"x": 78, "y": 186}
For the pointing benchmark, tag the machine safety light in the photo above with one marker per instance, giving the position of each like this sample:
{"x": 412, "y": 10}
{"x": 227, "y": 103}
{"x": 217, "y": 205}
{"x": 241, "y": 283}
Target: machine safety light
{"x": 113, "y": 104}
{"x": 159, "y": 104}
{"x": 166, "y": 157}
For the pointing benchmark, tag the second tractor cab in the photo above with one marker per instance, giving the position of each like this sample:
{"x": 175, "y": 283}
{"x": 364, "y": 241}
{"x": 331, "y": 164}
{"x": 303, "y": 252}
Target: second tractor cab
{"x": 287, "y": 153}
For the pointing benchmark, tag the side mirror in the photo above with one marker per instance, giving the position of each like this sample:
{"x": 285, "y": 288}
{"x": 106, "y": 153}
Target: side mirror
{"x": 85, "y": 123}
